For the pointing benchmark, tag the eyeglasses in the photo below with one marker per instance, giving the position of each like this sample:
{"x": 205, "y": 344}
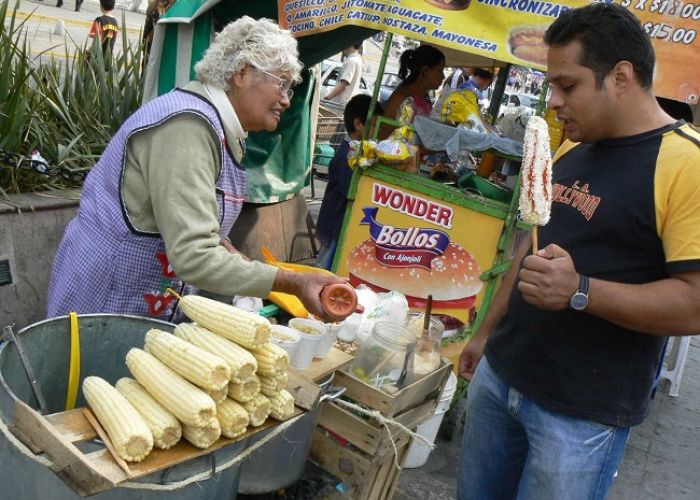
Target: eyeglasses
{"x": 283, "y": 85}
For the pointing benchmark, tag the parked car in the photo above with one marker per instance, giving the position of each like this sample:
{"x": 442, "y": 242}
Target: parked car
{"x": 330, "y": 71}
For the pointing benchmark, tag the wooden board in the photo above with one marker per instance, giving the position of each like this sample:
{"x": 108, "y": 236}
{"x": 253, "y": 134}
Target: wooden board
{"x": 321, "y": 368}
{"x": 56, "y": 435}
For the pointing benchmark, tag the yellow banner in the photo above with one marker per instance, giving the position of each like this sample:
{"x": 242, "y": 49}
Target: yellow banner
{"x": 510, "y": 30}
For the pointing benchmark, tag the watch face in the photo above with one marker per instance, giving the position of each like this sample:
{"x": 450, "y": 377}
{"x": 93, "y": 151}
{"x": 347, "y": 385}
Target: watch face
{"x": 579, "y": 301}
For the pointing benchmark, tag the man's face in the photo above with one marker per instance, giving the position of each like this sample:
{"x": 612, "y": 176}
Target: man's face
{"x": 586, "y": 111}
{"x": 263, "y": 99}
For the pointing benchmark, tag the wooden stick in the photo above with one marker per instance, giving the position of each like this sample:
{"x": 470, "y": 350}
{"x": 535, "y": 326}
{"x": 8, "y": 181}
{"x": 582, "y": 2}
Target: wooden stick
{"x": 535, "y": 242}
{"x": 105, "y": 439}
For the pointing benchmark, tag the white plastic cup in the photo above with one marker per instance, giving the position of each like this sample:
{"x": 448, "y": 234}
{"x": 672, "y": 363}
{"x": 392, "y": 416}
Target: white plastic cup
{"x": 308, "y": 343}
{"x": 291, "y": 346}
{"x": 326, "y": 343}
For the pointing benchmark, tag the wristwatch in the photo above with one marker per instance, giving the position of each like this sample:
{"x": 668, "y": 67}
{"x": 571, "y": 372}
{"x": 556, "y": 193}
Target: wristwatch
{"x": 579, "y": 300}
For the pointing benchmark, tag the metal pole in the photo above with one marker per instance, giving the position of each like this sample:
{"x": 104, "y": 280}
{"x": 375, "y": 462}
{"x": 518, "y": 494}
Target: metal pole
{"x": 378, "y": 83}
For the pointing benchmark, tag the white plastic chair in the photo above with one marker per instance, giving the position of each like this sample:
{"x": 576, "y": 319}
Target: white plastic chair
{"x": 675, "y": 362}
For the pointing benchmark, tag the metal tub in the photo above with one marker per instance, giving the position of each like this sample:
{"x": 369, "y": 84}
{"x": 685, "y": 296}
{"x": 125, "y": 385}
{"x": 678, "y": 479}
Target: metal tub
{"x": 104, "y": 342}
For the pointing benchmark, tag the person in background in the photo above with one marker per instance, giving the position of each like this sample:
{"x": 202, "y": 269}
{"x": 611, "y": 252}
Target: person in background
{"x": 457, "y": 77}
{"x": 348, "y": 83}
{"x": 105, "y": 28}
{"x": 156, "y": 8}
{"x": 78, "y": 4}
{"x": 479, "y": 81}
{"x": 575, "y": 334}
{"x": 421, "y": 70}
{"x": 335, "y": 198}
{"x": 157, "y": 208}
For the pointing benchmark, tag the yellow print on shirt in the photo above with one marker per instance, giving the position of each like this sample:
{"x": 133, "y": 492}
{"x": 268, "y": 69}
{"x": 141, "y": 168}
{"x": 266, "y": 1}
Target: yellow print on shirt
{"x": 576, "y": 196}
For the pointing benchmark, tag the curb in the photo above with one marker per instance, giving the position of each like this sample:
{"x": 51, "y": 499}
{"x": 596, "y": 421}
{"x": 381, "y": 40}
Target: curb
{"x": 68, "y": 22}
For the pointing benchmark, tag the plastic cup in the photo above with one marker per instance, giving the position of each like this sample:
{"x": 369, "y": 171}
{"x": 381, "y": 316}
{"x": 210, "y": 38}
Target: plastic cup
{"x": 287, "y": 338}
{"x": 326, "y": 343}
{"x": 311, "y": 332}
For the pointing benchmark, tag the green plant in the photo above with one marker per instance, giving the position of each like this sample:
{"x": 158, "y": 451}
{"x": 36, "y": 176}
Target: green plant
{"x": 68, "y": 108}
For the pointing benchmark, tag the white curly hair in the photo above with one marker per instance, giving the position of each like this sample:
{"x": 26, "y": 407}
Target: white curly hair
{"x": 260, "y": 43}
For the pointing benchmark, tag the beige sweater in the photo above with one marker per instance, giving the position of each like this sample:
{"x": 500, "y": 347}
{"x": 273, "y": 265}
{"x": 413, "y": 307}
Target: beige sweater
{"x": 168, "y": 188}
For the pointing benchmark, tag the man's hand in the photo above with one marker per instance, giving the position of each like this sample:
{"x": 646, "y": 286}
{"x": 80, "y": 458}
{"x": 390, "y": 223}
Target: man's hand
{"x": 548, "y": 279}
{"x": 470, "y": 356}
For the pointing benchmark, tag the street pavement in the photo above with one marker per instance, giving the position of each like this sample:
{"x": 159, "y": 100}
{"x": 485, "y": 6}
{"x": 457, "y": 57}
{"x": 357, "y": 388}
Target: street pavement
{"x": 661, "y": 462}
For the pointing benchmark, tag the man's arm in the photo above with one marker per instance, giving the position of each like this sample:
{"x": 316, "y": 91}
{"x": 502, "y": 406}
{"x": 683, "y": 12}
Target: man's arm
{"x": 472, "y": 352}
{"x": 669, "y": 306}
{"x": 339, "y": 87}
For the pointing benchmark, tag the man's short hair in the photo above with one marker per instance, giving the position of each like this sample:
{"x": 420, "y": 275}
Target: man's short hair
{"x": 107, "y": 4}
{"x": 357, "y": 107}
{"x": 608, "y": 34}
{"x": 483, "y": 73}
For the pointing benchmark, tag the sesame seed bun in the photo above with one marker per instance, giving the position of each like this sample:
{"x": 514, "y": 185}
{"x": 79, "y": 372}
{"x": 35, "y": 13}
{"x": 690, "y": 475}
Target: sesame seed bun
{"x": 453, "y": 277}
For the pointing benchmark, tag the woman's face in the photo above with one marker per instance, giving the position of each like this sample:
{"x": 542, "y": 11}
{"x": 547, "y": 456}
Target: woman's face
{"x": 260, "y": 98}
{"x": 433, "y": 76}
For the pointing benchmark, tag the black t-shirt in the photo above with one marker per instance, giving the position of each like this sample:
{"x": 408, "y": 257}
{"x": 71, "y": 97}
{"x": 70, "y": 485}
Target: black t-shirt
{"x": 628, "y": 211}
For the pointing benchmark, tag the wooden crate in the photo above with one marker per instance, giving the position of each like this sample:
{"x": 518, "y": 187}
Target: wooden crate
{"x": 392, "y": 404}
{"x": 58, "y": 435}
{"x": 372, "y": 477}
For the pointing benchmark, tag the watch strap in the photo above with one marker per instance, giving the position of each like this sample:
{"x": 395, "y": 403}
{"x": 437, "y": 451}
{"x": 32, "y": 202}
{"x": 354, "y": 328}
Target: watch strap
{"x": 583, "y": 284}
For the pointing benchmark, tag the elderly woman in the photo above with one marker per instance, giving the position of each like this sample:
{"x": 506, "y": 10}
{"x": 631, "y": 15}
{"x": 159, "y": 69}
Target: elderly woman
{"x": 158, "y": 206}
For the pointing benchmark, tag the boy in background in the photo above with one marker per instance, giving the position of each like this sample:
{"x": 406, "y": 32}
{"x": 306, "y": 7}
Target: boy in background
{"x": 335, "y": 199}
{"x": 105, "y": 27}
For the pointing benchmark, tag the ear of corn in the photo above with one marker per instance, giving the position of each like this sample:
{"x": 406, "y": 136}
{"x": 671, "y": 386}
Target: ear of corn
{"x": 242, "y": 363}
{"x": 188, "y": 403}
{"x": 282, "y": 405}
{"x": 165, "y": 428}
{"x": 272, "y": 360}
{"x": 245, "y": 328}
{"x": 203, "y": 437}
{"x": 126, "y": 429}
{"x": 219, "y": 395}
{"x": 270, "y": 386}
{"x": 232, "y": 417}
{"x": 245, "y": 391}
{"x": 202, "y": 368}
{"x": 258, "y": 409}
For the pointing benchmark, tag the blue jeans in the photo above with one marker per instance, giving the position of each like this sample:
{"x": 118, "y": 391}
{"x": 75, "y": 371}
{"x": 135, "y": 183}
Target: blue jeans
{"x": 514, "y": 448}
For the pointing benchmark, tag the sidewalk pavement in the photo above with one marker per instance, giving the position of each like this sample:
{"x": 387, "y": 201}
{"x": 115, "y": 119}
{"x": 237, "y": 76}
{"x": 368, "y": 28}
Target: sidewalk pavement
{"x": 661, "y": 462}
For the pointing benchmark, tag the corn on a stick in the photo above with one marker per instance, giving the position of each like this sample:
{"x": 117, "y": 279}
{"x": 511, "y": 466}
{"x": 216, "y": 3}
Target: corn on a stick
{"x": 242, "y": 363}
{"x": 127, "y": 430}
{"x": 165, "y": 428}
{"x": 188, "y": 403}
{"x": 245, "y": 328}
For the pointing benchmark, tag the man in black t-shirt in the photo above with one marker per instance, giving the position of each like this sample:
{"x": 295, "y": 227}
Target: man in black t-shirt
{"x": 575, "y": 333}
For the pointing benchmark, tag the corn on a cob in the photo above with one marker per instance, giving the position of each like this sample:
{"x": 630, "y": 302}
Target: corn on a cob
{"x": 202, "y": 368}
{"x": 258, "y": 409}
{"x": 218, "y": 395}
{"x": 242, "y": 363}
{"x": 273, "y": 361}
{"x": 129, "y": 433}
{"x": 232, "y": 417}
{"x": 282, "y": 405}
{"x": 536, "y": 175}
{"x": 270, "y": 386}
{"x": 246, "y": 391}
{"x": 245, "y": 328}
{"x": 202, "y": 437}
{"x": 165, "y": 428}
{"x": 188, "y": 403}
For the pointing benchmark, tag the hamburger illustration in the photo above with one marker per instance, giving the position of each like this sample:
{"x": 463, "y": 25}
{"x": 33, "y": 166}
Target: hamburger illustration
{"x": 453, "y": 279}
{"x": 450, "y": 4}
{"x": 527, "y": 42}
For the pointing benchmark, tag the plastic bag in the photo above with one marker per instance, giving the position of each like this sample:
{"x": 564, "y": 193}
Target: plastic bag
{"x": 390, "y": 306}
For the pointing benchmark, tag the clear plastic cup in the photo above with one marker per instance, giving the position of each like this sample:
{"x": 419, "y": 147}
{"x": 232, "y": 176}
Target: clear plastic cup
{"x": 311, "y": 332}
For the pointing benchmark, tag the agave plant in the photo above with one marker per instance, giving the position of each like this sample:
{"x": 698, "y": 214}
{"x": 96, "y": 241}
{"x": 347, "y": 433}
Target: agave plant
{"x": 67, "y": 108}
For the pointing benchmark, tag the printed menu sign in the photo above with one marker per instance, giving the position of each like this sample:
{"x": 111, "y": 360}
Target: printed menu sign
{"x": 510, "y": 30}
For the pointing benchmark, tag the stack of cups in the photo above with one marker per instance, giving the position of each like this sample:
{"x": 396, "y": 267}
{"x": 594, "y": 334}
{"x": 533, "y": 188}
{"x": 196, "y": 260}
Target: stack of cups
{"x": 311, "y": 333}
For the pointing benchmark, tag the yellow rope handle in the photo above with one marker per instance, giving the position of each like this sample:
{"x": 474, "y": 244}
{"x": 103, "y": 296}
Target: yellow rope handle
{"x": 74, "y": 366}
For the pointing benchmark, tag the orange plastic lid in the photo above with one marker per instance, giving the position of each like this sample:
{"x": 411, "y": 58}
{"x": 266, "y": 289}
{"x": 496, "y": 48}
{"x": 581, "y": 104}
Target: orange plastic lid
{"x": 338, "y": 300}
